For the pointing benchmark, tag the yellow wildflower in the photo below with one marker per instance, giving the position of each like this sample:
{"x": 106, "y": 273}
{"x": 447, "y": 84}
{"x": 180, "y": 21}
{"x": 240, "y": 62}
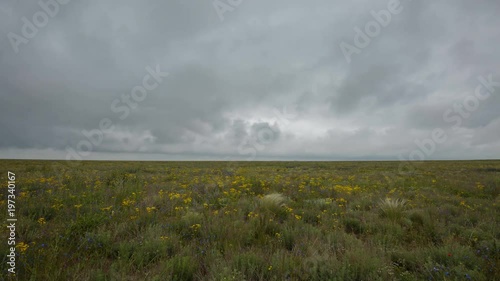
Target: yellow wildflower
{"x": 22, "y": 247}
{"x": 195, "y": 227}
{"x": 127, "y": 202}
{"x": 252, "y": 215}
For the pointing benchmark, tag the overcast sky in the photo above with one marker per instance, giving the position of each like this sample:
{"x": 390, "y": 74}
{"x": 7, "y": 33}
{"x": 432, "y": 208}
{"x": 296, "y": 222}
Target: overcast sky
{"x": 250, "y": 80}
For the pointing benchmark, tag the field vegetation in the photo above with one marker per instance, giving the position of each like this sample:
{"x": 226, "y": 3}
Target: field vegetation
{"x": 254, "y": 220}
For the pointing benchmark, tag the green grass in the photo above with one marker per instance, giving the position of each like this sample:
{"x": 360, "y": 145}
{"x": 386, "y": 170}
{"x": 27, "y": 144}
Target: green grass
{"x": 254, "y": 221}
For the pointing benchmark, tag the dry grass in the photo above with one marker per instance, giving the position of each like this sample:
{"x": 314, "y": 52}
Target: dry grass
{"x": 392, "y": 208}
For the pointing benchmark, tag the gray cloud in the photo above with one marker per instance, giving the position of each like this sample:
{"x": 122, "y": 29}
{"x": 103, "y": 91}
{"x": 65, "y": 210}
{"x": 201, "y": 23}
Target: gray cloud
{"x": 270, "y": 81}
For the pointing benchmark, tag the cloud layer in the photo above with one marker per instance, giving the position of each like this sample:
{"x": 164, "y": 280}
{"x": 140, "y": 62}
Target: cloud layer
{"x": 249, "y": 80}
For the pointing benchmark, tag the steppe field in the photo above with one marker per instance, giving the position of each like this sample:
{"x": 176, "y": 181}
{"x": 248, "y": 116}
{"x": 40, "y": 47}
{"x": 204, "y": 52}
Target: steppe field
{"x": 252, "y": 220}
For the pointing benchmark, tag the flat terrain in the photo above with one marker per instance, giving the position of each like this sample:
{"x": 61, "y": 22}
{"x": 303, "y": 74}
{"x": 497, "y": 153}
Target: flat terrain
{"x": 254, "y": 220}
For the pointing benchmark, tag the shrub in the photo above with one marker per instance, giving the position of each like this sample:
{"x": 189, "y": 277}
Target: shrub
{"x": 353, "y": 225}
{"x": 392, "y": 208}
{"x": 182, "y": 268}
{"x": 251, "y": 265}
{"x": 273, "y": 202}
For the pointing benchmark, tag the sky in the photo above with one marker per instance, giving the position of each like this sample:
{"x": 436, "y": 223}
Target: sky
{"x": 250, "y": 80}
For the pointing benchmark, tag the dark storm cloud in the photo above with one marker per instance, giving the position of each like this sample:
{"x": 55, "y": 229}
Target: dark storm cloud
{"x": 269, "y": 81}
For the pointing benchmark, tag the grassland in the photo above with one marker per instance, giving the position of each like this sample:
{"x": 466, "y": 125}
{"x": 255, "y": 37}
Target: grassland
{"x": 254, "y": 221}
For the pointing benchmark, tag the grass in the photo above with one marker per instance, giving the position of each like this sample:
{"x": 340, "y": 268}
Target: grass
{"x": 392, "y": 208}
{"x": 254, "y": 221}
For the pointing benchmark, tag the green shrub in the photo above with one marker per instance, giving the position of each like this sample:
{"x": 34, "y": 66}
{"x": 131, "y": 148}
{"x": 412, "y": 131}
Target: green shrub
{"x": 251, "y": 264}
{"x": 353, "y": 225}
{"x": 182, "y": 268}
